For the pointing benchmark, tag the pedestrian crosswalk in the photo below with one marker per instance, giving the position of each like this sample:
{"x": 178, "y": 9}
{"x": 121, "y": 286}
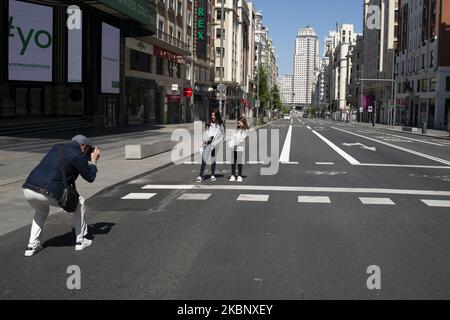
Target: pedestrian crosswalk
{"x": 301, "y": 199}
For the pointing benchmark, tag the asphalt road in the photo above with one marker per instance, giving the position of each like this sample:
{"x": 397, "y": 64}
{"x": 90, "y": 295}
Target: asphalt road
{"x": 344, "y": 199}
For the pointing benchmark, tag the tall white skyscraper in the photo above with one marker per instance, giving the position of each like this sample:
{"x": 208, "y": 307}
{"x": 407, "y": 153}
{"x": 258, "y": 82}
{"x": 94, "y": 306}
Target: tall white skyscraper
{"x": 306, "y": 65}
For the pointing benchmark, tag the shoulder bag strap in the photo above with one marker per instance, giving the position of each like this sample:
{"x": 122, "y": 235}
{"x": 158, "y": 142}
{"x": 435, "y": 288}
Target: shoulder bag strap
{"x": 61, "y": 166}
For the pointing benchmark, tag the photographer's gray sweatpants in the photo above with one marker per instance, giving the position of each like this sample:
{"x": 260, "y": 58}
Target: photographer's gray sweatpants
{"x": 41, "y": 204}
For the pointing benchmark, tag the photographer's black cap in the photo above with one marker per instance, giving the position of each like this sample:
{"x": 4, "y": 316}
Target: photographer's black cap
{"x": 82, "y": 140}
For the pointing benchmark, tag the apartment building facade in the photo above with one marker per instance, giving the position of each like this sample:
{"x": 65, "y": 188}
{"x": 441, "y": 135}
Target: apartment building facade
{"x": 423, "y": 63}
{"x": 342, "y": 65}
{"x": 286, "y": 90}
{"x": 306, "y": 66}
{"x": 379, "y": 53}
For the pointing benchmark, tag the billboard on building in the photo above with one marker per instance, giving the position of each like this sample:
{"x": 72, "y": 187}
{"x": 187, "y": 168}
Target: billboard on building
{"x": 110, "y": 59}
{"x": 30, "y": 44}
{"x": 201, "y": 28}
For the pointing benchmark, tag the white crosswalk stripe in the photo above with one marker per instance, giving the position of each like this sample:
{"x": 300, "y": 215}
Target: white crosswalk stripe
{"x": 437, "y": 203}
{"x": 253, "y": 198}
{"x": 139, "y": 196}
{"x": 377, "y": 201}
{"x": 308, "y": 199}
{"x": 195, "y": 196}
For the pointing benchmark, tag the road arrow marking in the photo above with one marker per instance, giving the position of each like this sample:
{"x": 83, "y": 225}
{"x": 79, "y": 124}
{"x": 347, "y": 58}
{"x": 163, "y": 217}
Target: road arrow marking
{"x": 361, "y": 145}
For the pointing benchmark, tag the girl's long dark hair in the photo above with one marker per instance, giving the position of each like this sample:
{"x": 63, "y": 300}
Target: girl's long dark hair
{"x": 244, "y": 121}
{"x": 219, "y": 119}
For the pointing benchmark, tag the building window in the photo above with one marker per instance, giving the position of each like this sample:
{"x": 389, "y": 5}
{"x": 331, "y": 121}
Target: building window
{"x": 180, "y": 8}
{"x": 173, "y": 69}
{"x": 433, "y": 84}
{"x": 447, "y": 84}
{"x": 218, "y": 51}
{"x": 140, "y": 61}
{"x": 219, "y": 33}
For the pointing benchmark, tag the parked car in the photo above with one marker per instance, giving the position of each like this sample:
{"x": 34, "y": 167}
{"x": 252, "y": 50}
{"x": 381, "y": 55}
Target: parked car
{"x": 287, "y": 117}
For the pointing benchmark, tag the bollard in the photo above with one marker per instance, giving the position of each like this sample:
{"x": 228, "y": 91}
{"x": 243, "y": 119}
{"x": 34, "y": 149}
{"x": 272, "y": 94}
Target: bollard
{"x": 424, "y": 128}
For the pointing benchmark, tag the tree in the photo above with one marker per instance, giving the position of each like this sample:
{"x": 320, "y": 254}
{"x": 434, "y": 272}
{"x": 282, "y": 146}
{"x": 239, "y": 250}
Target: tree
{"x": 264, "y": 92}
{"x": 276, "y": 99}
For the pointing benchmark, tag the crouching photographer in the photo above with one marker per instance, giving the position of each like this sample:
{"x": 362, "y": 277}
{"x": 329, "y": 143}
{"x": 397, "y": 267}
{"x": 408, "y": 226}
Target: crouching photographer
{"x": 52, "y": 184}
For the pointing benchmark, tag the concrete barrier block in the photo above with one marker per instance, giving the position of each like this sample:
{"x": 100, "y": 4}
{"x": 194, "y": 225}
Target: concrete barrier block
{"x": 143, "y": 151}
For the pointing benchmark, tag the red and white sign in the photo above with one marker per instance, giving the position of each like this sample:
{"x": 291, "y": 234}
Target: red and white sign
{"x": 174, "y": 98}
{"x": 188, "y": 92}
{"x": 167, "y": 55}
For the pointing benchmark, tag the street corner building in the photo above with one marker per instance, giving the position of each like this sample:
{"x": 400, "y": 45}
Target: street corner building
{"x": 106, "y": 62}
{"x": 66, "y": 58}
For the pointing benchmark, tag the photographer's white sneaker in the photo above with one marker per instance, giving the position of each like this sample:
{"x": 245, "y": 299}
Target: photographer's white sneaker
{"x": 80, "y": 246}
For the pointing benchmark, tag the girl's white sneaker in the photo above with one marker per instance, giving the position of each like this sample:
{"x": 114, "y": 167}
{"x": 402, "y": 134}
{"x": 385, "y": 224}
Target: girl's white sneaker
{"x": 233, "y": 179}
{"x": 213, "y": 179}
{"x": 239, "y": 179}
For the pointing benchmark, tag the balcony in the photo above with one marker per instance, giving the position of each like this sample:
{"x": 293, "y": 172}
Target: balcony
{"x": 167, "y": 38}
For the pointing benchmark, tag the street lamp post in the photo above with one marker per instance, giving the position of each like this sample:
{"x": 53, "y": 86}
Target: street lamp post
{"x": 222, "y": 22}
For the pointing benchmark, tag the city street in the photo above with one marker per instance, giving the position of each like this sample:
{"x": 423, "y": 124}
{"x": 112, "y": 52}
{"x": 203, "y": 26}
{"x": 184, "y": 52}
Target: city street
{"x": 345, "y": 198}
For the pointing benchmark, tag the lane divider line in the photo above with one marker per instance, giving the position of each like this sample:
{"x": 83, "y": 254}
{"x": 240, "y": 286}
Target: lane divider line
{"x": 285, "y": 154}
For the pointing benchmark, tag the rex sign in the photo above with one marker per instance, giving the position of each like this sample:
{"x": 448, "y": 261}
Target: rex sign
{"x": 30, "y": 41}
{"x": 201, "y": 27}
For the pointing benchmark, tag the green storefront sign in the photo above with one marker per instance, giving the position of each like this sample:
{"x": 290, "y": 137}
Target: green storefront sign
{"x": 139, "y": 10}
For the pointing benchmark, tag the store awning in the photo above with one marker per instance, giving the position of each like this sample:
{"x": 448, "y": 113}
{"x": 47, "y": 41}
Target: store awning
{"x": 140, "y": 11}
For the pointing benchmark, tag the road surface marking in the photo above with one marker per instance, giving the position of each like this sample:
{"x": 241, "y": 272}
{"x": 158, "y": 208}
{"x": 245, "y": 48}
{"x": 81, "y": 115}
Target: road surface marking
{"x": 377, "y": 201}
{"x": 418, "y": 140}
{"x": 298, "y": 189}
{"x": 291, "y": 163}
{"x": 285, "y": 154}
{"x": 309, "y": 127}
{"x": 341, "y": 152}
{"x": 306, "y": 199}
{"x": 360, "y": 145}
{"x": 420, "y": 154}
{"x": 139, "y": 196}
{"x": 253, "y": 198}
{"x": 325, "y": 163}
{"x": 437, "y": 203}
{"x": 402, "y": 166}
{"x": 195, "y": 196}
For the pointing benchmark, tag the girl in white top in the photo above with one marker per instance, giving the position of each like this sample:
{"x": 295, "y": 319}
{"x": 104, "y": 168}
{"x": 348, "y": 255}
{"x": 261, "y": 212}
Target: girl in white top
{"x": 237, "y": 143}
{"x": 212, "y": 137}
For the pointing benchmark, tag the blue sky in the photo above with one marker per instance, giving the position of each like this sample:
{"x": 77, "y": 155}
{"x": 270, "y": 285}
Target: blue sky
{"x": 285, "y": 17}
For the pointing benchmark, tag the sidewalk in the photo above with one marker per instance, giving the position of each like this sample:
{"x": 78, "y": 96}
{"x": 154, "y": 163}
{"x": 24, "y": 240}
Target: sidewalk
{"x": 113, "y": 169}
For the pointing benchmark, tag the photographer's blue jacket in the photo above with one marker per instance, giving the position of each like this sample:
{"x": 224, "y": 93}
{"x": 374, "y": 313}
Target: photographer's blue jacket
{"x": 46, "y": 177}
